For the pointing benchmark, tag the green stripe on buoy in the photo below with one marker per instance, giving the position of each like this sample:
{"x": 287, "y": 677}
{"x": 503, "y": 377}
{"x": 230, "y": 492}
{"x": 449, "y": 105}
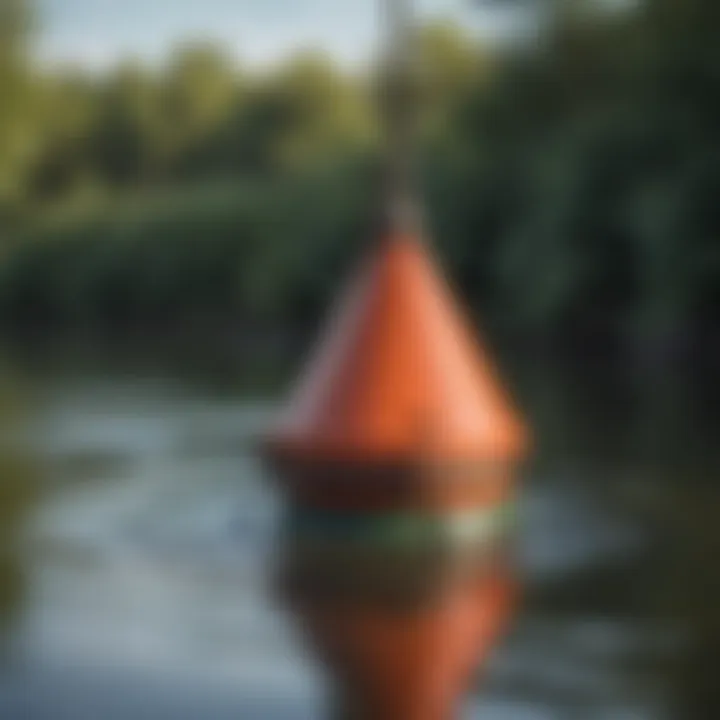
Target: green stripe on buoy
{"x": 404, "y": 529}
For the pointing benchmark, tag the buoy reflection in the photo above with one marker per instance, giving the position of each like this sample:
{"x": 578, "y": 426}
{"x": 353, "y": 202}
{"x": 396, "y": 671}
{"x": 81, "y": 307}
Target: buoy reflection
{"x": 401, "y": 625}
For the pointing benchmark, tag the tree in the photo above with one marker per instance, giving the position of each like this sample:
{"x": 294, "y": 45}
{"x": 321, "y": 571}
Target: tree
{"x": 199, "y": 92}
{"x": 18, "y": 135}
{"x": 67, "y": 164}
{"x": 303, "y": 113}
{"x": 127, "y": 134}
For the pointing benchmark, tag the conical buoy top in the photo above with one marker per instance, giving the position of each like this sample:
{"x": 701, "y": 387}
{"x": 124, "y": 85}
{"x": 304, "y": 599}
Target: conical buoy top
{"x": 399, "y": 374}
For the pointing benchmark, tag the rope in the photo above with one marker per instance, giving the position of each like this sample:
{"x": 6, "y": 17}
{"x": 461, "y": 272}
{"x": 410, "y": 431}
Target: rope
{"x": 399, "y": 105}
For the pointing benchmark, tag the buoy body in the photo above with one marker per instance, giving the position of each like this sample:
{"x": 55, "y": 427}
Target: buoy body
{"x": 399, "y": 374}
{"x": 398, "y": 454}
{"x": 400, "y": 407}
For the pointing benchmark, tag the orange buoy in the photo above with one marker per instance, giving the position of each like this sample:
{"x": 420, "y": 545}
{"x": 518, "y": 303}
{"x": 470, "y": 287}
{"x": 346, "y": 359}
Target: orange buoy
{"x": 401, "y": 406}
{"x": 398, "y": 454}
{"x": 399, "y": 374}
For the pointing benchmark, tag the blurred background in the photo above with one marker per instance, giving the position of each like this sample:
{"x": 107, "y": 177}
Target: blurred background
{"x": 184, "y": 185}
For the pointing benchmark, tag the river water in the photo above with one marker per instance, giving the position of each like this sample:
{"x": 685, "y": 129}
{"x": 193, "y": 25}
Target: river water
{"x": 136, "y": 533}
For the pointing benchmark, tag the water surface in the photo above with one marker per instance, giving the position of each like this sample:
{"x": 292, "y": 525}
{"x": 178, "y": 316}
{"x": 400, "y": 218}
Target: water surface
{"x": 137, "y": 535}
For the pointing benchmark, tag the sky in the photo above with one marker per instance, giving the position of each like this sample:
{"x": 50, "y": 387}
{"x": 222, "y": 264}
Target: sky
{"x": 97, "y": 33}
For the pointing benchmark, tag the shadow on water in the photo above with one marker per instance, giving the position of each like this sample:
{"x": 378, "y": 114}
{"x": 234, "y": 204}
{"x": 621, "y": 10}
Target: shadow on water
{"x": 114, "y": 555}
{"x": 642, "y": 438}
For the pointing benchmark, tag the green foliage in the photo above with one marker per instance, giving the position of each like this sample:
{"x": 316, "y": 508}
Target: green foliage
{"x": 248, "y": 253}
{"x": 18, "y": 106}
{"x": 605, "y": 144}
{"x": 571, "y": 186}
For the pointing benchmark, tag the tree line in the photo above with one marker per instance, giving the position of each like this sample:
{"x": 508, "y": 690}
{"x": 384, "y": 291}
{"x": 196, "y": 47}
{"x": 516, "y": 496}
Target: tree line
{"x": 571, "y": 182}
